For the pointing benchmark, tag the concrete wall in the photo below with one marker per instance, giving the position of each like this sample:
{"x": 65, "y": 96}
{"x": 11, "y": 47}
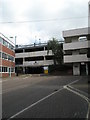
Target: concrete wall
{"x": 76, "y": 45}
{"x": 75, "y": 32}
{"x": 32, "y": 54}
{"x": 76, "y": 58}
{"x": 38, "y": 63}
{"x": 76, "y": 68}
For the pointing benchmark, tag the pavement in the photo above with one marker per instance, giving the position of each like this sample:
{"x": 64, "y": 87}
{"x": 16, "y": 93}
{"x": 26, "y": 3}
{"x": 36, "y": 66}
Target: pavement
{"x": 45, "y": 97}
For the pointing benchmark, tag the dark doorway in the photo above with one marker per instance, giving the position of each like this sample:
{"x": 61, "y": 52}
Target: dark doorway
{"x": 83, "y": 69}
{"x": 34, "y": 70}
{"x": 89, "y": 68}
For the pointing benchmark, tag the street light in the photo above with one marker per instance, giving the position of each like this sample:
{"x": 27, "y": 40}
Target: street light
{"x": 14, "y": 48}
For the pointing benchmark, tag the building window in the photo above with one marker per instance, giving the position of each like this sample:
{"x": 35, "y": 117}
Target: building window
{"x": 4, "y": 69}
{"x": 10, "y": 58}
{"x": 88, "y": 53}
{"x": 4, "y": 56}
{"x": 7, "y": 57}
{"x": 11, "y": 46}
{"x": 0, "y": 54}
{"x": 5, "y": 43}
{"x": 12, "y": 69}
{"x": 0, "y": 69}
{"x": 1, "y": 40}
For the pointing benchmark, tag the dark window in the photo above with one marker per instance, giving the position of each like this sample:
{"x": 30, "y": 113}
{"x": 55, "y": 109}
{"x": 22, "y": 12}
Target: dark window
{"x": 4, "y": 69}
{"x": 19, "y": 51}
{"x": 34, "y": 49}
{"x": 12, "y": 69}
{"x": 19, "y": 61}
{"x": 4, "y": 56}
{"x": 0, "y": 54}
{"x": 34, "y": 58}
{"x": 49, "y": 57}
{"x": 0, "y": 69}
{"x": 88, "y": 53}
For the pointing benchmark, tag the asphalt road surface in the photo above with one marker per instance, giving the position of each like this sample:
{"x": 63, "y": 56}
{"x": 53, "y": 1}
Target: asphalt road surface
{"x": 45, "y": 97}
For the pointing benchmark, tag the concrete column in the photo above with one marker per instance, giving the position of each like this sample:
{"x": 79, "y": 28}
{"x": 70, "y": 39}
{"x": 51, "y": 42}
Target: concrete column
{"x": 44, "y": 48}
{"x": 23, "y": 65}
{"x": 86, "y": 68}
{"x": 23, "y": 69}
{"x": 44, "y": 58}
{"x": 23, "y": 50}
{"x": 76, "y": 68}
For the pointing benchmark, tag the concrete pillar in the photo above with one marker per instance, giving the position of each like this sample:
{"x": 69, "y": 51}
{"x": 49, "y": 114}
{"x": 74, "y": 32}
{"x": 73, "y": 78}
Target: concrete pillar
{"x": 44, "y": 58}
{"x": 23, "y": 50}
{"x": 76, "y": 68}
{"x": 44, "y": 48}
{"x": 24, "y": 70}
{"x": 23, "y": 65}
{"x": 86, "y": 68}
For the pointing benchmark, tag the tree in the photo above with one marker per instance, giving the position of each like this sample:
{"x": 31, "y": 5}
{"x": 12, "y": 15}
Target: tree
{"x": 57, "y": 50}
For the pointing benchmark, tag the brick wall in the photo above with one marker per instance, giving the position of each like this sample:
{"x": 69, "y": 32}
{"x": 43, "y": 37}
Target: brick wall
{"x": 0, "y": 46}
{"x": 0, "y": 61}
{"x": 8, "y": 51}
{"x": 8, "y": 63}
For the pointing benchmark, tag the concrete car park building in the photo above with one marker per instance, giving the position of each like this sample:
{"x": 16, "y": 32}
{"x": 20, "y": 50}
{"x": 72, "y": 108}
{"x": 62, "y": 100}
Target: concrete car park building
{"x": 7, "y": 57}
{"x": 76, "y": 50}
{"x": 32, "y": 59}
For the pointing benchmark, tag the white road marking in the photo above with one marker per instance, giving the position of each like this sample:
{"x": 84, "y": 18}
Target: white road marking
{"x": 35, "y": 103}
{"x": 40, "y": 101}
{"x": 25, "y": 78}
{"x": 77, "y": 89}
{"x": 73, "y": 82}
{"x": 83, "y": 96}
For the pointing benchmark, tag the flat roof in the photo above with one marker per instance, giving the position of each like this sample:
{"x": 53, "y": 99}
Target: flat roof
{"x": 75, "y": 32}
{"x": 32, "y": 46}
{"x": 6, "y": 39}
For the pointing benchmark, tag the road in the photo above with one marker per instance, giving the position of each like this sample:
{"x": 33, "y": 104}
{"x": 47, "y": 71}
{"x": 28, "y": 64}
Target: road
{"x": 45, "y": 97}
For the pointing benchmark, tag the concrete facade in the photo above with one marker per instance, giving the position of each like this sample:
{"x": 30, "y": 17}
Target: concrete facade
{"x": 33, "y": 59}
{"x": 76, "y": 48}
{"x": 7, "y": 57}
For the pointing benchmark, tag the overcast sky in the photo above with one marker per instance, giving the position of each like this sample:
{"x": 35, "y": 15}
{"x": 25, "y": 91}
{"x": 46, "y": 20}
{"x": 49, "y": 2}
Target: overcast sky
{"x": 41, "y": 19}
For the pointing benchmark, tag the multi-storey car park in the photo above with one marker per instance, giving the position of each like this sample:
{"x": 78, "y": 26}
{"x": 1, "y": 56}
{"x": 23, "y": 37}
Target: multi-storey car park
{"x": 76, "y": 50}
{"x": 31, "y": 59}
{"x": 7, "y": 57}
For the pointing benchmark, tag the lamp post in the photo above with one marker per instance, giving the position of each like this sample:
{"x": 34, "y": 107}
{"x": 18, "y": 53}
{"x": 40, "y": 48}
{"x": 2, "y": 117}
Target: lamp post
{"x": 14, "y": 48}
{"x": 14, "y": 39}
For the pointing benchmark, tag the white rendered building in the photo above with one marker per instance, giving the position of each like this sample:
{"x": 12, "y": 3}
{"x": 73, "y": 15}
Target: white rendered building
{"x": 76, "y": 50}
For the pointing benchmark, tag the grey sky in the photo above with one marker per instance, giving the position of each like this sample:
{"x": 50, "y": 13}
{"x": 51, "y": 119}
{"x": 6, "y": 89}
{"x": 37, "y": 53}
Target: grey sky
{"x": 63, "y": 14}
